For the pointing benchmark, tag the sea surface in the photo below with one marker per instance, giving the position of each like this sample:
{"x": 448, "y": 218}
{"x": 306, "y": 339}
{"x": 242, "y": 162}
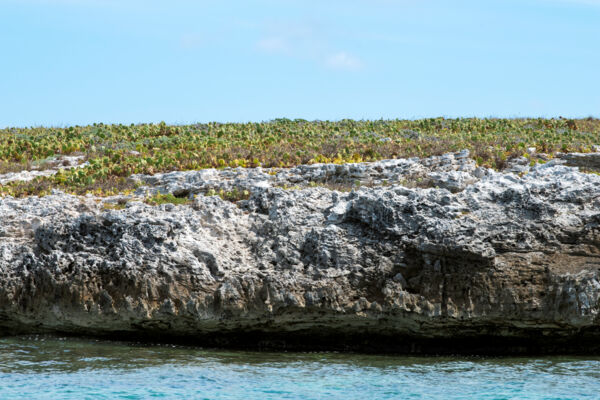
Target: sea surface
{"x": 41, "y": 367}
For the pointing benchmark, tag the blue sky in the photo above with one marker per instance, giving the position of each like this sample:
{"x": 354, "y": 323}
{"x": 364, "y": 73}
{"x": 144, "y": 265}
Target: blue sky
{"x": 66, "y": 62}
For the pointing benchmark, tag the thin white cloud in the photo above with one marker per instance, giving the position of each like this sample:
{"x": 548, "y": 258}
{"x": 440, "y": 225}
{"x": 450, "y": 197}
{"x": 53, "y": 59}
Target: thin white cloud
{"x": 583, "y": 2}
{"x": 307, "y": 41}
{"x": 69, "y": 2}
{"x": 587, "y": 2}
{"x": 276, "y": 45}
{"x": 344, "y": 61}
{"x": 192, "y": 41}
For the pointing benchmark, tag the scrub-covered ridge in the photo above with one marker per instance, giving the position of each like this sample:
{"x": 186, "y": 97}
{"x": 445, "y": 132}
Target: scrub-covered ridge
{"x": 109, "y": 154}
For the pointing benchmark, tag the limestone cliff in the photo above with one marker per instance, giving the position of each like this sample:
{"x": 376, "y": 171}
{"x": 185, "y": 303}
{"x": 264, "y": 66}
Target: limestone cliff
{"x": 431, "y": 255}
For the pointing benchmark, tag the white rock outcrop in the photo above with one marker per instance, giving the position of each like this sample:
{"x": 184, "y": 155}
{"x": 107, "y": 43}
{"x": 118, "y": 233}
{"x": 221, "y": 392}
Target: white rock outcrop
{"x": 486, "y": 262}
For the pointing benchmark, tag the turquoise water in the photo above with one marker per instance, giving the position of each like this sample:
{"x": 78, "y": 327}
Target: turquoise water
{"x": 58, "y": 368}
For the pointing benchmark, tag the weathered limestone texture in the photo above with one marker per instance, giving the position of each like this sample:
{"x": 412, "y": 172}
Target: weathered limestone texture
{"x": 481, "y": 261}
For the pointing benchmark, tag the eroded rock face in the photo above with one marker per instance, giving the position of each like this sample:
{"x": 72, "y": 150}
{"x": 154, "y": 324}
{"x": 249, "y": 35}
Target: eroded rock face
{"x": 503, "y": 264}
{"x": 589, "y": 161}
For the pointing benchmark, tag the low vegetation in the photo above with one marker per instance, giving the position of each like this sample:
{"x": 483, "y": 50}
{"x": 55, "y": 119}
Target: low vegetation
{"x": 114, "y": 152}
{"x": 166, "y": 198}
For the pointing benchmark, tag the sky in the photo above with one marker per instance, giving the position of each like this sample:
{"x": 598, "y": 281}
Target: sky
{"x": 75, "y": 62}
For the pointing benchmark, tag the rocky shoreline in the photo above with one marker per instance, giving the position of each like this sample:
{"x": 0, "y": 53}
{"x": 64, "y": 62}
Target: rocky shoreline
{"x": 416, "y": 256}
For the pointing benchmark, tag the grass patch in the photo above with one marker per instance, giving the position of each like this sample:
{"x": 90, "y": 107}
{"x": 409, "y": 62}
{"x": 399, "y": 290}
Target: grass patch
{"x": 231, "y": 195}
{"x": 113, "y": 206}
{"x": 168, "y": 198}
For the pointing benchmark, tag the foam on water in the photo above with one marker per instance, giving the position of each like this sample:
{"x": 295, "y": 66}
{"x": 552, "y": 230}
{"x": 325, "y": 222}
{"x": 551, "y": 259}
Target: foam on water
{"x": 58, "y": 368}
